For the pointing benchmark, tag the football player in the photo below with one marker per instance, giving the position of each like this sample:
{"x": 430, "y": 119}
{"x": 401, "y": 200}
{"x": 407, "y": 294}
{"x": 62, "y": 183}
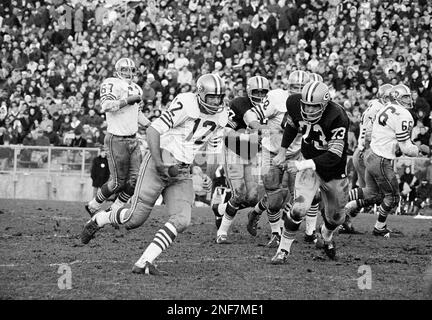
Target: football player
{"x": 120, "y": 99}
{"x": 240, "y": 157}
{"x": 368, "y": 116}
{"x": 391, "y": 130}
{"x": 324, "y": 127}
{"x": 276, "y": 181}
{"x": 191, "y": 122}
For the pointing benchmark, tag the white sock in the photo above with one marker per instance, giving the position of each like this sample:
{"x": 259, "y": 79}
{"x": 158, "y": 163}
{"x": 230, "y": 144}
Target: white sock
{"x": 102, "y": 218}
{"x": 225, "y": 225}
{"x": 222, "y": 208}
{"x": 150, "y": 254}
{"x": 162, "y": 240}
{"x": 286, "y": 241}
{"x": 275, "y": 227}
{"x": 117, "y": 204}
{"x": 380, "y": 225}
{"x": 311, "y": 218}
{"x": 326, "y": 234}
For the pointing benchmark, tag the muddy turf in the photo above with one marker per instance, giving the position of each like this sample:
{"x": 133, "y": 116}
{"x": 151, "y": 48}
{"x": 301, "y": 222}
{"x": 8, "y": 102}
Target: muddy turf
{"x": 37, "y": 237}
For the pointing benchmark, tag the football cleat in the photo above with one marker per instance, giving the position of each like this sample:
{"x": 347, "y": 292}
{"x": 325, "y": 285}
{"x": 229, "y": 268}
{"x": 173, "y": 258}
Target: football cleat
{"x": 90, "y": 212}
{"x": 384, "y": 232}
{"x": 148, "y": 269}
{"x": 218, "y": 217}
{"x": 312, "y": 238}
{"x": 348, "y": 228}
{"x": 88, "y": 232}
{"x": 222, "y": 239}
{"x": 330, "y": 249}
{"x": 280, "y": 257}
{"x": 252, "y": 225}
{"x": 274, "y": 240}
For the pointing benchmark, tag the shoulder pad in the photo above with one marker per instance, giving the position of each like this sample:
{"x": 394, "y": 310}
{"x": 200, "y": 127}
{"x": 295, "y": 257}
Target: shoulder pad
{"x": 189, "y": 102}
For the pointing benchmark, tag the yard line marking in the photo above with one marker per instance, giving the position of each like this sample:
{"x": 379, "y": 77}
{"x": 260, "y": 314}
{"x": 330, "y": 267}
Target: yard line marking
{"x": 124, "y": 261}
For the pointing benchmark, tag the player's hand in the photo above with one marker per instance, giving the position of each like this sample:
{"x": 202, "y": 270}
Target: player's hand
{"x": 279, "y": 159}
{"x": 291, "y": 167}
{"x": 133, "y": 99}
{"x": 162, "y": 171}
{"x": 424, "y": 149}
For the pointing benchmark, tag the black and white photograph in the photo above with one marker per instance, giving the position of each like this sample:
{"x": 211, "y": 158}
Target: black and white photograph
{"x": 216, "y": 155}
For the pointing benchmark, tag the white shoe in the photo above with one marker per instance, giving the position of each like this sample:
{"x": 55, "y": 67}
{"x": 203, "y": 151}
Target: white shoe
{"x": 222, "y": 239}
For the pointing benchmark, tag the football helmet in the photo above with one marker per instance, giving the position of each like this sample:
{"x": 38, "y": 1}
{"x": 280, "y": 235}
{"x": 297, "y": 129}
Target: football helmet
{"x": 210, "y": 86}
{"x": 315, "y": 77}
{"x": 125, "y": 69}
{"x": 401, "y": 95}
{"x": 257, "y": 89}
{"x": 314, "y": 94}
{"x": 383, "y": 92}
{"x": 296, "y": 81}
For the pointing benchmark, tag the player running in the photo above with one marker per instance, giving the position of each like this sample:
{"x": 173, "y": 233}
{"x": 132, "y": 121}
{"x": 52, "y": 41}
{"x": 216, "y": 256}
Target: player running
{"x": 363, "y": 146}
{"x": 240, "y": 157}
{"x": 119, "y": 100}
{"x": 191, "y": 122}
{"x": 324, "y": 127}
{"x": 391, "y": 130}
{"x": 278, "y": 182}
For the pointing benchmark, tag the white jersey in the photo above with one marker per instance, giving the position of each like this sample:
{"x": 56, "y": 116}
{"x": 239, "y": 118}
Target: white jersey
{"x": 184, "y": 129}
{"x": 392, "y": 124}
{"x": 366, "y": 123}
{"x": 123, "y": 122}
{"x": 275, "y": 112}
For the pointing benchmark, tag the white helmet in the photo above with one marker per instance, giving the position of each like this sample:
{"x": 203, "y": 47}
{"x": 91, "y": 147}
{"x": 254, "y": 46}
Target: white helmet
{"x": 125, "y": 69}
{"x": 210, "y": 85}
{"x": 296, "y": 81}
{"x": 257, "y": 89}
{"x": 401, "y": 95}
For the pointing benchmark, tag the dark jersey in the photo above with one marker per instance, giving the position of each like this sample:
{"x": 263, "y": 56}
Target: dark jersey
{"x": 326, "y": 142}
{"x": 237, "y": 109}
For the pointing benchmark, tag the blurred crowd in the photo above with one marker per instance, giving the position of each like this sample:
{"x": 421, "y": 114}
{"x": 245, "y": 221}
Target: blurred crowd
{"x": 55, "y": 53}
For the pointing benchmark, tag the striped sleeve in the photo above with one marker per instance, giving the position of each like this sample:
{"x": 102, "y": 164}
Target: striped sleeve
{"x": 172, "y": 117}
{"x": 336, "y": 146}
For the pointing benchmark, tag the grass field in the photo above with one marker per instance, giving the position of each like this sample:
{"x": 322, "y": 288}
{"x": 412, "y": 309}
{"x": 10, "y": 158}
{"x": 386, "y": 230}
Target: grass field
{"x": 37, "y": 237}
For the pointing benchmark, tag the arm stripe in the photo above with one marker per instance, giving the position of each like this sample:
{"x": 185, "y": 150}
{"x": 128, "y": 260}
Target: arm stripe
{"x": 167, "y": 118}
{"x": 403, "y": 139}
{"x": 166, "y": 122}
{"x": 336, "y": 152}
{"x": 109, "y": 95}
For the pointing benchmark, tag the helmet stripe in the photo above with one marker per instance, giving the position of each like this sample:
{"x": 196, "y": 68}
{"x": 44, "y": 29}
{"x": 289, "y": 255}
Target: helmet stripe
{"x": 258, "y": 82}
{"x": 311, "y": 90}
{"x": 216, "y": 84}
{"x": 300, "y": 77}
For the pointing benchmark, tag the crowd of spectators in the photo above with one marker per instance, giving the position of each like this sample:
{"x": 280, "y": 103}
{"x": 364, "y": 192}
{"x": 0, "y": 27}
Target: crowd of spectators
{"x": 55, "y": 53}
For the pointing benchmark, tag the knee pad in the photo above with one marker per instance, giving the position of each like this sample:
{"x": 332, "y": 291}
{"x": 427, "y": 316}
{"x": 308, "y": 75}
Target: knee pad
{"x": 275, "y": 199}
